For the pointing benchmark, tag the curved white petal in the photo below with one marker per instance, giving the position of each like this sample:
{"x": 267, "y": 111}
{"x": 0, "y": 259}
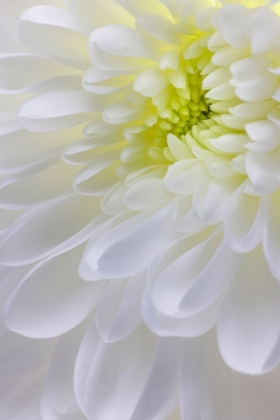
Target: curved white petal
{"x": 34, "y": 186}
{"x": 105, "y": 374}
{"x": 265, "y": 31}
{"x": 54, "y": 33}
{"x": 118, "y": 312}
{"x": 230, "y": 20}
{"x": 132, "y": 245}
{"x": 52, "y": 298}
{"x": 96, "y": 14}
{"x": 58, "y": 109}
{"x": 248, "y": 327}
{"x": 72, "y": 214}
{"x": 59, "y": 388}
{"x": 210, "y": 390}
{"x": 244, "y": 220}
{"x": 28, "y": 72}
{"x": 124, "y": 41}
{"x": 271, "y": 236}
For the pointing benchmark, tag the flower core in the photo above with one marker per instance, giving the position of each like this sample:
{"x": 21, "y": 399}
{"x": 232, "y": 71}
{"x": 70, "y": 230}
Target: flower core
{"x": 180, "y": 109}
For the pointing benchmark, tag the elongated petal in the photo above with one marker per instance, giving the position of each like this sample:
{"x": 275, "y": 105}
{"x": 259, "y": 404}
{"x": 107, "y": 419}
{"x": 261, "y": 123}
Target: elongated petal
{"x": 96, "y": 14}
{"x": 59, "y": 109}
{"x": 71, "y": 213}
{"x": 62, "y": 301}
{"x": 127, "y": 363}
{"x": 118, "y": 312}
{"x": 271, "y": 236}
{"x": 53, "y": 32}
{"x": 230, "y": 21}
{"x": 253, "y": 212}
{"x": 247, "y": 326}
{"x": 130, "y": 246}
{"x": 211, "y": 390}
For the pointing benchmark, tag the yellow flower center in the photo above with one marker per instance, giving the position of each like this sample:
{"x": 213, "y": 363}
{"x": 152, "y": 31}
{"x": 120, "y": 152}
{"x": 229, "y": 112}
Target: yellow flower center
{"x": 180, "y": 110}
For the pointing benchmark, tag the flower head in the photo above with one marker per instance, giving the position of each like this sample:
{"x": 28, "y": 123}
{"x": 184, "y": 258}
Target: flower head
{"x": 140, "y": 176}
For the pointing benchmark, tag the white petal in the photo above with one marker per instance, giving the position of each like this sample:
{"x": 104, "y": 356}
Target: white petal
{"x": 33, "y": 236}
{"x": 220, "y": 168}
{"x": 170, "y": 60}
{"x": 151, "y": 82}
{"x": 59, "y": 386}
{"x": 262, "y": 169}
{"x": 23, "y": 149}
{"x": 162, "y": 380}
{"x": 121, "y": 112}
{"x": 250, "y": 68}
{"x": 87, "y": 151}
{"x": 259, "y": 89}
{"x": 146, "y": 6}
{"x": 166, "y": 326}
{"x": 98, "y": 177}
{"x": 265, "y": 135}
{"x": 183, "y": 176}
{"x": 184, "y": 218}
{"x": 244, "y": 220}
{"x": 203, "y": 19}
{"x": 10, "y": 14}
{"x": 108, "y": 61}
{"x": 210, "y": 390}
{"x": 230, "y": 143}
{"x": 221, "y": 93}
{"x": 52, "y": 298}
{"x": 216, "y": 78}
{"x": 8, "y": 111}
{"x": 189, "y": 405}
{"x": 253, "y": 110}
{"x": 59, "y": 109}
{"x": 23, "y": 72}
{"x": 184, "y": 289}
{"x": 160, "y": 28}
{"x": 178, "y": 148}
{"x": 118, "y": 312}
{"x": 112, "y": 203}
{"x": 265, "y": 30}
{"x": 98, "y": 126}
{"x": 176, "y": 323}
{"x": 47, "y": 412}
{"x": 248, "y": 325}
{"x": 124, "y": 41}
{"x": 225, "y": 56}
{"x": 104, "y": 226}
{"x": 26, "y": 188}
{"x": 9, "y": 282}
{"x": 105, "y": 396}
{"x": 202, "y": 292}
{"x": 105, "y": 81}
{"x": 132, "y": 245}
{"x": 191, "y": 7}
{"x": 145, "y": 194}
{"x": 215, "y": 42}
{"x": 271, "y": 236}
{"x": 54, "y": 33}
{"x": 230, "y": 21}
{"x": 97, "y": 14}
{"x": 210, "y": 199}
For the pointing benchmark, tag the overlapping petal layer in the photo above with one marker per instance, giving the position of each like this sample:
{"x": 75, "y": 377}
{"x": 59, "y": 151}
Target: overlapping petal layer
{"x": 139, "y": 174}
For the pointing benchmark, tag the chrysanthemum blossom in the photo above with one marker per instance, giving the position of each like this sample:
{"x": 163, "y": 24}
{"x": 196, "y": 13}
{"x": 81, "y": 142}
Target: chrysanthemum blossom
{"x": 139, "y": 209}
